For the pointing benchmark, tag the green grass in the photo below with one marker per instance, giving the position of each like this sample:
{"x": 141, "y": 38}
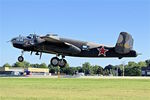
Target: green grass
{"x": 74, "y": 89}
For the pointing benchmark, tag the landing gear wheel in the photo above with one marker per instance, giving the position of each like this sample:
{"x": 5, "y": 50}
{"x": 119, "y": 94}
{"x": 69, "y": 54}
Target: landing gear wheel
{"x": 20, "y": 59}
{"x": 120, "y": 58}
{"x": 54, "y": 61}
{"x": 62, "y": 63}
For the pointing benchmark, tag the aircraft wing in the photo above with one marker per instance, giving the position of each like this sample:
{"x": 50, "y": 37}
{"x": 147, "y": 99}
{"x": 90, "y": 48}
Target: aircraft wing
{"x": 52, "y": 39}
{"x": 55, "y": 40}
{"x": 61, "y": 44}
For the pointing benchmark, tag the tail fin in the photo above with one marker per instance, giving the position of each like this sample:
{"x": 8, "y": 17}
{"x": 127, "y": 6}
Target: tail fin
{"x": 124, "y": 43}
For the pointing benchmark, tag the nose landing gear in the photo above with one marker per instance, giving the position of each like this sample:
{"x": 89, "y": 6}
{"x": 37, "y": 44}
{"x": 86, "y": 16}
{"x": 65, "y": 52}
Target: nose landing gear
{"x": 20, "y": 58}
{"x": 55, "y": 61}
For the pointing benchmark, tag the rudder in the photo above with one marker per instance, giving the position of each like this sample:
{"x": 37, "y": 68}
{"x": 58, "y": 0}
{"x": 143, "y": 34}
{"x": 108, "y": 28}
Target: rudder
{"x": 124, "y": 44}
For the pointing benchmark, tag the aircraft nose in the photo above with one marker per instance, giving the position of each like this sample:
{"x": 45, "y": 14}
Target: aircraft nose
{"x": 16, "y": 43}
{"x": 13, "y": 40}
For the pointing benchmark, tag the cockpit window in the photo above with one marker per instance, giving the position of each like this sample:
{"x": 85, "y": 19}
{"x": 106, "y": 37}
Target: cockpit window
{"x": 31, "y": 36}
{"x": 28, "y": 37}
{"x": 21, "y": 39}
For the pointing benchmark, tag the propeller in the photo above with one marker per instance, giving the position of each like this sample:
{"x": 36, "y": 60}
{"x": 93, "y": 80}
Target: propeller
{"x": 40, "y": 55}
{"x": 31, "y": 52}
{"x": 139, "y": 53}
{"x": 8, "y": 41}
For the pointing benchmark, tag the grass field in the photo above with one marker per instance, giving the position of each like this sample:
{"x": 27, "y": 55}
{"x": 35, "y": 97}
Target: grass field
{"x": 74, "y": 89}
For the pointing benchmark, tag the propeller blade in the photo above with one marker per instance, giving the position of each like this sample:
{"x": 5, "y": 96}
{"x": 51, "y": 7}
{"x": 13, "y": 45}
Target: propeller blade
{"x": 139, "y": 53}
{"x": 8, "y": 41}
{"x": 31, "y": 53}
{"x": 40, "y": 55}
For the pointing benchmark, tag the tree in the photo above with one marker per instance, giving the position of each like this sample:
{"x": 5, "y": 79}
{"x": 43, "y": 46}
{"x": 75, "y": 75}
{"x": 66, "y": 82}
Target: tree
{"x": 18, "y": 64}
{"x": 6, "y": 65}
{"x": 23, "y": 64}
{"x": 35, "y": 65}
{"x": 79, "y": 69}
{"x": 43, "y": 65}
{"x": 148, "y": 62}
{"x": 131, "y": 64}
{"x": 135, "y": 71}
{"x": 53, "y": 69}
{"x": 108, "y": 69}
{"x": 106, "y": 72}
{"x": 87, "y": 68}
{"x": 67, "y": 65}
{"x": 100, "y": 70}
{"x": 56, "y": 69}
{"x": 69, "y": 70}
{"x": 118, "y": 70}
{"x": 141, "y": 64}
{"x": 26, "y": 64}
{"x": 97, "y": 70}
{"x": 73, "y": 70}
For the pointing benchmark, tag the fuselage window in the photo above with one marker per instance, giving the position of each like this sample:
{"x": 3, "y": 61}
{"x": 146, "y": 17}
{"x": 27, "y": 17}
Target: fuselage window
{"x": 85, "y": 47}
{"x": 20, "y": 39}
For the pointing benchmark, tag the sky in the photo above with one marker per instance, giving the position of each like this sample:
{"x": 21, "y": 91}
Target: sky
{"x": 98, "y": 21}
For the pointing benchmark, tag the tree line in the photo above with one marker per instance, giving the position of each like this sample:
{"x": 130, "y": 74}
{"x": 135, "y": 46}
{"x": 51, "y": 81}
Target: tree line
{"x": 130, "y": 69}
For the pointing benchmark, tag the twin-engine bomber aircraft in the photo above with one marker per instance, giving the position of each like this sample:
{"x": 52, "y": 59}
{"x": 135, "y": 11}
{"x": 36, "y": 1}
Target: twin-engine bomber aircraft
{"x": 53, "y": 44}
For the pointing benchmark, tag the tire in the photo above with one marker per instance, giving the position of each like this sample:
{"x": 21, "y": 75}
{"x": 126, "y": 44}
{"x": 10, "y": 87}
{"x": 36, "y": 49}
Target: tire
{"x": 62, "y": 63}
{"x": 20, "y": 59}
{"x": 119, "y": 57}
{"x": 54, "y": 61}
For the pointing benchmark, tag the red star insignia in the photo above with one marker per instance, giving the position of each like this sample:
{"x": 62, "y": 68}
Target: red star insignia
{"x": 102, "y": 51}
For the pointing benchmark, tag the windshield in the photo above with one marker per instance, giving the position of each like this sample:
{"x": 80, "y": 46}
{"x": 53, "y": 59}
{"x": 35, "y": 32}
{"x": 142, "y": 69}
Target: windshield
{"x": 30, "y": 36}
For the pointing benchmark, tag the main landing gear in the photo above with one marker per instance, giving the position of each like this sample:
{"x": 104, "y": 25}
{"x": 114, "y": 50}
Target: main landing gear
{"x": 55, "y": 61}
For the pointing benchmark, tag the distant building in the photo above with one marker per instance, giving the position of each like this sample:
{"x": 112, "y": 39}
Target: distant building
{"x": 23, "y": 71}
{"x": 81, "y": 74}
{"x": 11, "y": 71}
{"x": 146, "y": 71}
{"x": 37, "y": 71}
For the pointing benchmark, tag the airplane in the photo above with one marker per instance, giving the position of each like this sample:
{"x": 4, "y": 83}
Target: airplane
{"x": 53, "y": 44}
